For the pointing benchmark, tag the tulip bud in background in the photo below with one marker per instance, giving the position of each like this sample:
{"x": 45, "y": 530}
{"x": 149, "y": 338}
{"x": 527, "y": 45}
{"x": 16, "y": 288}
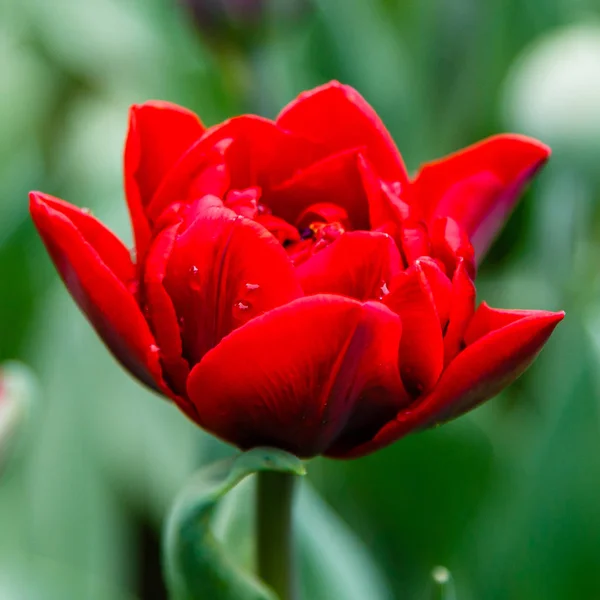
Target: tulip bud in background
{"x": 238, "y": 22}
{"x": 16, "y": 393}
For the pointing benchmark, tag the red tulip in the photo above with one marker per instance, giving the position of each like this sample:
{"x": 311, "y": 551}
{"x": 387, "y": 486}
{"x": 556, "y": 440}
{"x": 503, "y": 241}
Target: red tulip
{"x": 293, "y": 287}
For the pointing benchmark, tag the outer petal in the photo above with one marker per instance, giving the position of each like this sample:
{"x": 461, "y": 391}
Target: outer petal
{"x": 421, "y": 352}
{"x": 159, "y": 134}
{"x": 479, "y": 186}
{"x": 360, "y": 264}
{"x": 223, "y": 271}
{"x": 292, "y": 377}
{"x": 99, "y": 292}
{"x": 109, "y": 247}
{"x": 477, "y": 374}
{"x": 338, "y": 118}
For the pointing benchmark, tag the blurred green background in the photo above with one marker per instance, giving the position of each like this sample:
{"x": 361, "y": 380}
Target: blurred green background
{"x": 508, "y": 498}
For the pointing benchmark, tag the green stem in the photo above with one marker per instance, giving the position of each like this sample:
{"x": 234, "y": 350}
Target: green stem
{"x": 275, "y": 557}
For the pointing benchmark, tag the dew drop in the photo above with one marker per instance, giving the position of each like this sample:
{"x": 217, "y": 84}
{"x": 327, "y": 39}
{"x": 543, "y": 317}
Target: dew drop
{"x": 86, "y": 211}
{"x": 194, "y": 283}
{"x": 243, "y": 306}
{"x": 251, "y": 287}
{"x": 384, "y": 291}
{"x": 154, "y": 349}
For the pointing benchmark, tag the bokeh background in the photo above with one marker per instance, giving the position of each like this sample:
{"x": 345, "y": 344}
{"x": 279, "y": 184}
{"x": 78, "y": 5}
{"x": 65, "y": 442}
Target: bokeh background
{"x": 508, "y": 498}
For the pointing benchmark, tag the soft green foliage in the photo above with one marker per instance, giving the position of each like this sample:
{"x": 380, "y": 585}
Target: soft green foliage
{"x": 196, "y": 565}
{"x": 506, "y": 498}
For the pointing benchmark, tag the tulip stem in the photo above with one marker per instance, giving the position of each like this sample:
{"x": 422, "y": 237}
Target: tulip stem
{"x": 275, "y": 556}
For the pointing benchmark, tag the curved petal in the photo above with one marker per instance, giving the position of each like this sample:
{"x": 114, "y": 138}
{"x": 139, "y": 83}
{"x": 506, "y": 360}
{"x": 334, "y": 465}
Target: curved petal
{"x": 159, "y": 134}
{"x": 257, "y": 153}
{"x": 462, "y": 307}
{"x": 200, "y": 172}
{"x": 440, "y": 286}
{"x": 338, "y": 118}
{"x": 100, "y": 294}
{"x": 479, "y": 186}
{"x": 487, "y": 319}
{"x": 160, "y": 311}
{"x": 360, "y": 264}
{"x": 477, "y": 374}
{"x": 421, "y": 352}
{"x": 109, "y": 247}
{"x": 334, "y": 179}
{"x": 223, "y": 271}
{"x": 386, "y": 210}
{"x": 292, "y": 377}
{"x": 414, "y": 240}
{"x": 450, "y": 244}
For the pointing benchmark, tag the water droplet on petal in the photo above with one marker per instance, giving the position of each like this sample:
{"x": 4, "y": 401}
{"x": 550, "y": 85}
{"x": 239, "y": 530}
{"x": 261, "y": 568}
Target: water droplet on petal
{"x": 384, "y": 291}
{"x": 194, "y": 272}
{"x": 87, "y": 211}
{"x": 242, "y": 306}
{"x": 154, "y": 348}
{"x": 252, "y": 286}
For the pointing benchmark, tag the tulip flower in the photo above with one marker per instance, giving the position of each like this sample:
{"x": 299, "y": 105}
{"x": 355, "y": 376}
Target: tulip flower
{"x": 292, "y": 285}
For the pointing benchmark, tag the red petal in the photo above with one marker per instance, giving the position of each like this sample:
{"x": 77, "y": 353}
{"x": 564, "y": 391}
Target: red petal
{"x": 462, "y": 307}
{"x": 450, "y": 244}
{"x": 336, "y": 178}
{"x": 440, "y": 286}
{"x": 109, "y": 247}
{"x": 292, "y": 377}
{"x": 323, "y": 212}
{"x": 223, "y": 271}
{"x": 479, "y": 186}
{"x": 160, "y": 311}
{"x": 283, "y": 232}
{"x": 159, "y": 133}
{"x": 360, "y": 264}
{"x": 200, "y": 172}
{"x": 100, "y": 294}
{"x": 244, "y": 202}
{"x": 385, "y": 206}
{"x": 487, "y": 319}
{"x": 414, "y": 240}
{"x": 338, "y": 118}
{"x": 477, "y": 374}
{"x": 421, "y": 354}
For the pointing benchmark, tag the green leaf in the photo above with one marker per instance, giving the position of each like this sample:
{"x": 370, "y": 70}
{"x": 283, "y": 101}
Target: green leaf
{"x": 196, "y": 564}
